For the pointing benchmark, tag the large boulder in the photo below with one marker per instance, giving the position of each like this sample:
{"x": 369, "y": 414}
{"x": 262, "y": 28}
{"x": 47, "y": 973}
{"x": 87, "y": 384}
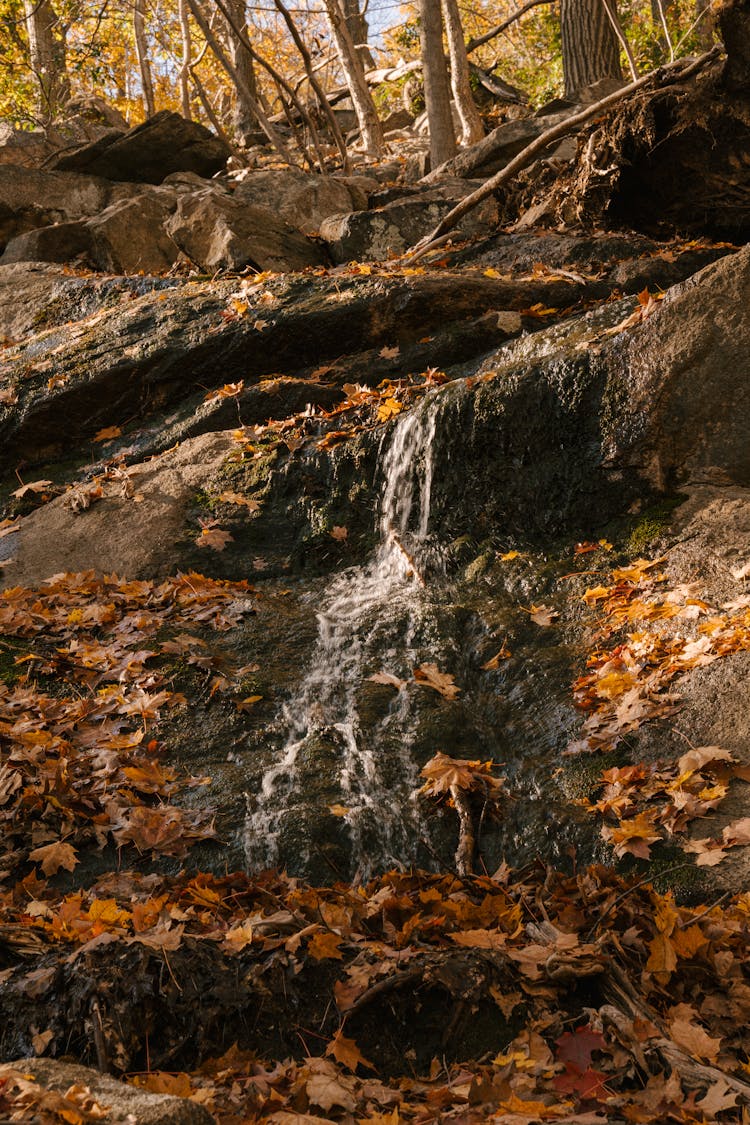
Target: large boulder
{"x": 127, "y": 237}
{"x": 25, "y": 147}
{"x": 126, "y": 1105}
{"x": 390, "y": 230}
{"x": 220, "y": 233}
{"x": 30, "y": 198}
{"x": 149, "y": 152}
{"x": 303, "y": 200}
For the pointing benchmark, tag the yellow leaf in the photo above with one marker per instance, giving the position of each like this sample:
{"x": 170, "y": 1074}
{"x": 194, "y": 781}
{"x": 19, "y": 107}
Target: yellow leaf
{"x": 389, "y": 408}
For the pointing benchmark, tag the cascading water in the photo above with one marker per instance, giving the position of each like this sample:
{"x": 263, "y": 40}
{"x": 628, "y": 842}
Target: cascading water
{"x": 373, "y": 616}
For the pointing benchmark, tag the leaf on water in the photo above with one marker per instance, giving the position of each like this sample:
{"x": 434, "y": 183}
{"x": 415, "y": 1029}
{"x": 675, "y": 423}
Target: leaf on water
{"x": 429, "y": 675}
{"x": 389, "y": 679}
{"x": 494, "y": 662}
{"x": 248, "y": 703}
{"x": 389, "y": 408}
{"x": 543, "y": 614}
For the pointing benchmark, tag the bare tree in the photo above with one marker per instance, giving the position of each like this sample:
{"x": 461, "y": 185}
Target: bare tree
{"x": 472, "y": 129}
{"x": 185, "y": 59}
{"x": 436, "y": 87}
{"x": 354, "y": 72}
{"x": 590, "y": 44}
{"x": 358, "y": 30}
{"x": 47, "y": 55}
{"x": 141, "y": 50}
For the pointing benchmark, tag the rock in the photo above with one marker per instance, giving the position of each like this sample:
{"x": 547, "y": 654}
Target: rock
{"x": 681, "y": 412}
{"x": 127, "y": 237}
{"x": 389, "y": 231}
{"x": 497, "y": 148}
{"x": 30, "y": 198}
{"x": 149, "y": 152}
{"x": 133, "y": 538}
{"x": 24, "y": 147}
{"x": 220, "y": 233}
{"x": 36, "y": 296}
{"x": 302, "y": 200}
{"x": 128, "y": 1105}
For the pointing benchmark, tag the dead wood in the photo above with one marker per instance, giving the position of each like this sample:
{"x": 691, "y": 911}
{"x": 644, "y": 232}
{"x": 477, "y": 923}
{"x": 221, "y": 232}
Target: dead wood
{"x": 679, "y": 71}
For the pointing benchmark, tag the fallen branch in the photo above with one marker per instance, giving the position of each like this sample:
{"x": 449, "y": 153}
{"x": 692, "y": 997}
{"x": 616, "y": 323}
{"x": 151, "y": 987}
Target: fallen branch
{"x": 671, "y": 73}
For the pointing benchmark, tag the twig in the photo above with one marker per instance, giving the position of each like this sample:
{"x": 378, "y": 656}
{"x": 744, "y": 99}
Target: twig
{"x": 630, "y": 891}
{"x": 665, "y": 74}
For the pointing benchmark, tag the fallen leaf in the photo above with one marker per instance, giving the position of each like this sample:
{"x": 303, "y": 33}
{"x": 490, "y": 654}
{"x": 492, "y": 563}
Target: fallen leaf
{"x": 389, "y": 353}
{"x": 54, "y": 856}
{"x": 108, "y": 433}
{"x": 543, "y": 614}
{"x": 429, "y": 675}
{"x": 214, "y": 538}
{"x": 346, "y": 1052}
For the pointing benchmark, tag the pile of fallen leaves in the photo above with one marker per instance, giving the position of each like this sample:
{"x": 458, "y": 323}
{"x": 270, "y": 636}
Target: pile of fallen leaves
{"x": 78, "y": 765}
{"x": 586, "y": 998}
{"x": 630, "y": 680}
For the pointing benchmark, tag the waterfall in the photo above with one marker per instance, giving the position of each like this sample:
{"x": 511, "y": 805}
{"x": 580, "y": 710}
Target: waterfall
{"x": 372, "y": 616}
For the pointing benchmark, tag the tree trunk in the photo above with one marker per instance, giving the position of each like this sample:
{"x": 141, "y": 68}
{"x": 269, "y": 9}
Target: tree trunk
{"x": 357, "y": 25}
{"x": 472, "y": 129}
{"x": 590, "y": 47}
{"x": 245, "y": 119}
{"x": 436, "y": 88}
{"x": 47, "y": 56}
{"x": 237, "y": 79}
{"x": 185, "y": 59}
{"x": 734, "y": 25}
{"x": 141, "y": 49}
{"x": 354, "y": 72}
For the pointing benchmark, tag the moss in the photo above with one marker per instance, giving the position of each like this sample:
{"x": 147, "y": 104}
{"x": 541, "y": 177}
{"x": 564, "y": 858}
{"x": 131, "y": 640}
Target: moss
{"x": 10, "y": 672}
{"x": 652, "y": 524}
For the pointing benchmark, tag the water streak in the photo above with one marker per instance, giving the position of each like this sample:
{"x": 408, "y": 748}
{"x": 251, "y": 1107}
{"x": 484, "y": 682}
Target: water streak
{"x": 373, "y": 616}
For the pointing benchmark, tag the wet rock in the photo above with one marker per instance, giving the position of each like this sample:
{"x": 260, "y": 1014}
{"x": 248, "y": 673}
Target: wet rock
{"x": 302, "y": 200}
{"x": 679, "y": 409}
{"x": 149, "y": 152}
{"x": 35, "y": 296}
{"x": 128, "y": 1105}
{"x": 220, "y": 233}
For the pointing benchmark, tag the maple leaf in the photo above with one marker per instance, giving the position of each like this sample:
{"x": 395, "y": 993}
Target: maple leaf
{"x": 389, "y": 408}
{"x": 229, "y": 390}
{"x": 586, "y": 1084}
{"x": 324, "y": 945}
{"x": 328, "y": 1088}
{"x": 494, "y": 662}
{"x": 108, "y": 433}
{"x": 215, "y": 538}
{"x": 54, "y": 856}
{"x": 429, "y": 675}
{"x": 688, "y": 1034}
{"x": 577, "y": 1047}
{"x": 346, "y": 1052}
{"x": 444, "y": 774}
{"x": 237, "y": 498}
{"x": 34, "y": 486}
{"x": 634, "y": 835}
{"x": 543, "y": 614}
{"x": 339, "y": 533}
{"x": 388, "y": 678}
{"x": 389, "y": 353}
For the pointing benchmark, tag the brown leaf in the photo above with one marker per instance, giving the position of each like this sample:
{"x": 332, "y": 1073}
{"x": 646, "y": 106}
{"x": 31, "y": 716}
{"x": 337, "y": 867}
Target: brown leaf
{"x": 346, "y": 1052}
{"x": 429, "y": 675}
{"x": 214, "y": 538}
{"x": 543, "y": 614}
{"x": 108, "y": 433}
{"x": 324, "y": 945}
{"x": 54, "y": 856}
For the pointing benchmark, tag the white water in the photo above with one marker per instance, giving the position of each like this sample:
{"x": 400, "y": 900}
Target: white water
{"x": 371, "y": 620}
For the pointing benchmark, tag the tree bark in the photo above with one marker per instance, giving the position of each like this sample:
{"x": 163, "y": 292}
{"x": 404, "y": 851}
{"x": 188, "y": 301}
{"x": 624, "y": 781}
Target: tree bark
{"x": 734, "y": 25}
{"x": 237, "y": 79}
{"x": 48, "y": 57}
{"x": 245, "y": 118}
{"x": 354, "y": 72}
{"x": 318, "y": 90}
{"x": 144, "y": 64}
{"x": 185, "y": 59}
{"x": 358, "y": 30}
{"x": 436, "y": 88}
{"x": 590, "y": 46}
{"x": 472, "y": 129}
